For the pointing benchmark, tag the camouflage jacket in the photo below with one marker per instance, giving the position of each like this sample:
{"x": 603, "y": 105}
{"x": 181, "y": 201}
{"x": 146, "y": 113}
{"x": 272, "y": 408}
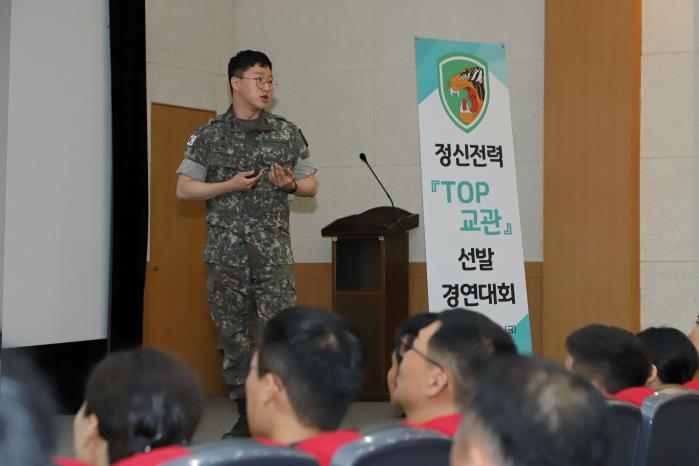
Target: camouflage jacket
{"x": 251, "y": 225}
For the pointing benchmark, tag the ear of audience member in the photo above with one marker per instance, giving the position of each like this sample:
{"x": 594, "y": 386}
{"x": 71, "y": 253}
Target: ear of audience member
{"x": 611, "y": 358}
{"x": 26, "y": 414}
{"x": 532, "y": 412}
{"x": 303, "y": 379}
{"x": 140, "y": 405}
{"x": 410, "y": 326}
{"x": 440, "y": 368}
{"x": 672, "y": 353}
{"x": 694, "y": 338}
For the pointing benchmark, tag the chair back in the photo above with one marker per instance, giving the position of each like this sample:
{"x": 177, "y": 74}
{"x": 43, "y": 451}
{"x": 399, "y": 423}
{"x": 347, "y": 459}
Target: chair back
{"x": 670, "y": 429}
{"x": 625, "y": 432}
{"x": 396, "y": 446}
{"x": 242, "y": 452}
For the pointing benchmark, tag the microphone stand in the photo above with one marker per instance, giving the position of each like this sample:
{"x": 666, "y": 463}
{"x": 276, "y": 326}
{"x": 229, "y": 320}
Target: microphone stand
{"x": 363, "y": 158}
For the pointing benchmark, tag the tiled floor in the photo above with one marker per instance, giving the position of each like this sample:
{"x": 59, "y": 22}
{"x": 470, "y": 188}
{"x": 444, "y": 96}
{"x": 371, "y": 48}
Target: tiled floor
{"x": 220, "y": 414}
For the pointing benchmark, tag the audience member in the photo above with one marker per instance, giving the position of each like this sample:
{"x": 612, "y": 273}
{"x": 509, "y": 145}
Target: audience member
{"x": 410, "y": 327}
{"x": 694, "y": 334}
{"x": 612, "y": 359}
{"x": 441, "y": 365}
{"x": 302, "y": 380}
{"x": 26, "y": 415}
{"x": 532, "y": 412}
{"x": 672, "y": 353}
{"x": 140, "y": 407}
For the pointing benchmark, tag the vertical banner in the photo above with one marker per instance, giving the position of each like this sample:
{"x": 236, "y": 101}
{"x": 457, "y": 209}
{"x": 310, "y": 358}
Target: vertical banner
{"x": 473, "y": 238}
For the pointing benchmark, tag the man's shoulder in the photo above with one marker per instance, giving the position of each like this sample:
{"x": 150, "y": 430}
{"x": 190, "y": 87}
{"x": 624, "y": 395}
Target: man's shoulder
{"x": 215, "y": 124}
{"x": 279, "y": 121}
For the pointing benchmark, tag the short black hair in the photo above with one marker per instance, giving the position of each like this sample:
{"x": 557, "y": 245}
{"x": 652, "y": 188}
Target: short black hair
{"x": 246, "y": 59}
{"x": 318, "y": 359}
{"x": 465, "y": 342}
{"x": 143, "y": 398}
{"x": 27, "y": 411}
{"x": 411, "y": 326}
{"x": 672, "y": 353}
{"x": 539, "y": 414}
{"x": 611, "y": 355}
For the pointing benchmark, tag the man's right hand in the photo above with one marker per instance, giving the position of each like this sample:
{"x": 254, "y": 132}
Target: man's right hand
{"x": 189, "y": 189}
{"x": 244, "y": 181}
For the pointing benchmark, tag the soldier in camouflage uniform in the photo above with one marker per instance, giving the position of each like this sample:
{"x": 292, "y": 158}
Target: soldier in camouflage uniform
{"x": 245, "y": 163}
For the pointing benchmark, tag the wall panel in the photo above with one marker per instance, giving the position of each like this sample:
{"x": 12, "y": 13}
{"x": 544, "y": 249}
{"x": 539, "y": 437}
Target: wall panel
{"x": 591, "y": 167}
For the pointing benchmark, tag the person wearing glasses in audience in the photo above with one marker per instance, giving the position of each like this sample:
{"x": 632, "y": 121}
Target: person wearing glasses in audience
{"x": 410, "y": 326}
{"x": 245, "y": 164}
{"x": 440, "y": 367}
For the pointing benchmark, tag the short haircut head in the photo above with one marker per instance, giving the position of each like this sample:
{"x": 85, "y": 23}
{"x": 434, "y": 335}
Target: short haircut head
{"x": 612, "y": 356}
{"x": 672, "y": 353}
{"x": 27, "y": 412}
{"x": 412, "y": 326}
{"x": 464, "y": 343}
{"x": 143, "y": 398}
{"x": 538, "y": 414}
{"x": 246, "y": 59}
{"x": 318, "y": 359}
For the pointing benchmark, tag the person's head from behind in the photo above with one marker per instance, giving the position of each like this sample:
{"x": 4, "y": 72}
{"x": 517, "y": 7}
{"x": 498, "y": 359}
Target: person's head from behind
{"x": 135, "y": 401}
{"x": 306, "y": 371}
{"x": 251, "y": 80}
{"x": 612, "y": 358}
{"x": 672, "y": 353}
{"x": 532, "y": 412}
{"x": 441, "y": 365}
{"x": 408, "y": 328}
{"x": 26, "y": 415}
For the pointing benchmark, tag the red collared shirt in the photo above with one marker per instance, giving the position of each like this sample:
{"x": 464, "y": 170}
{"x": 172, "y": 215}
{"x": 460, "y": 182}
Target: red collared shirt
{"x": 447, "y": 425}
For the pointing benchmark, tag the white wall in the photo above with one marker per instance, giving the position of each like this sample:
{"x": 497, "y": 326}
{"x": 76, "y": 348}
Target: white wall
{"x": 670, "y": 163}
{"x": 188, "y": 45}
{"x": 5, "y": 27}
{"x": 57, "y": 206}
{"x": 347, "y": 78}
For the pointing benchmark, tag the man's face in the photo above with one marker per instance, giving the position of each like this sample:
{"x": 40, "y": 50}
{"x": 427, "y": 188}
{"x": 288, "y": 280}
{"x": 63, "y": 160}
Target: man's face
{"x": 85, "y": 435}
{"x": 414, "y": 374}
{"x": 391, "y": 375}
{"x": 473, "y": 455}
{"x": 257, "y": 414}
{"x": 247, "y": 88}
{"x": 569, "y": 362}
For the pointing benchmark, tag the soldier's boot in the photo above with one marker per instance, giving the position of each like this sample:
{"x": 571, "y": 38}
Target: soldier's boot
{"x": 241, "y": 427}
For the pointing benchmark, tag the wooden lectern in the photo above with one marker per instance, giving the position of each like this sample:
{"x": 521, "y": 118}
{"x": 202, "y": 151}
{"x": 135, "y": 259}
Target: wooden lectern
{"x": 370, "y": 284}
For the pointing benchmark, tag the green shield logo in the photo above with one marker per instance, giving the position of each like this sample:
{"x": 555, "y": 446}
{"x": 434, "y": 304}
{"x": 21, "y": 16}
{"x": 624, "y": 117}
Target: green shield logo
{"x": 464, "y": 89}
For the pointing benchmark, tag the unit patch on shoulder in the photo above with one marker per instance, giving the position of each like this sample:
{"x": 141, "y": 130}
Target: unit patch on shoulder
{"x": 191, "y": 140}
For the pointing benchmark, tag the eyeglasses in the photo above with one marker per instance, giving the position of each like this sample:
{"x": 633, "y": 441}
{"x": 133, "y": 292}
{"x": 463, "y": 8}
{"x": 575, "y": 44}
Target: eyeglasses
{"x": 261, "y": 82}
{"x": 406, "y": 344}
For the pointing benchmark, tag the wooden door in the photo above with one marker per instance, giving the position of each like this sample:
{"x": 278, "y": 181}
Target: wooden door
{"x": 176, "y": 316}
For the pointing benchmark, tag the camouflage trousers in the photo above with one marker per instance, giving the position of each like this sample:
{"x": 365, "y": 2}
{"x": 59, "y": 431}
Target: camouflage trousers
{"x": 241, "y": 301}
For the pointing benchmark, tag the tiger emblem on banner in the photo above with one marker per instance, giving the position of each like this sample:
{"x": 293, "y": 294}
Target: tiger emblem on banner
{"x": 463, "y": 89}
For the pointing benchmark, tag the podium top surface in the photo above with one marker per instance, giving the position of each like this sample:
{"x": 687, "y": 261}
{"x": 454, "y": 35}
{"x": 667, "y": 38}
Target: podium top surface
{"x": 379, "y": 221}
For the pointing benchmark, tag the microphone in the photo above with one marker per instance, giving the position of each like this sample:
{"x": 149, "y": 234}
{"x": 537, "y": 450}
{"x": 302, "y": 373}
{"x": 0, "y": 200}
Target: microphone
{"x": 362, "y": 157}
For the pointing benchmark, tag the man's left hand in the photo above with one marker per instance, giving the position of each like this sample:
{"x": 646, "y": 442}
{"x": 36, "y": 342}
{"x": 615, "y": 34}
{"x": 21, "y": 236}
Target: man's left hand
{"x": 283, "y": 179}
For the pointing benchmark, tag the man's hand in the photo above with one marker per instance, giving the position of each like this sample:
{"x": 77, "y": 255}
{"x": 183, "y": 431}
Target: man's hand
{"x": 189, "y": 189}
{"x": 244, "y": 181}
{"x": 283, "y": 179}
